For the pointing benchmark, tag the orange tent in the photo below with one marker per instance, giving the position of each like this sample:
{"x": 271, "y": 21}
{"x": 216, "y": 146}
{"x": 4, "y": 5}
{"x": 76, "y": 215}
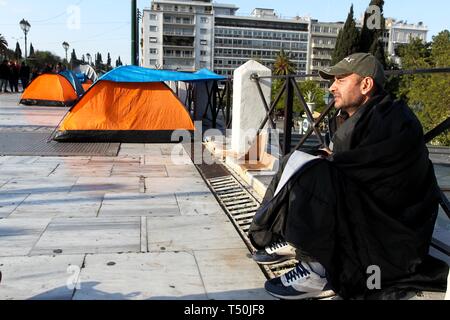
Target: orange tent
{"x": 86, "y": 85}
{"x": 49, "y": 90}
{"x": 125, "y": 112}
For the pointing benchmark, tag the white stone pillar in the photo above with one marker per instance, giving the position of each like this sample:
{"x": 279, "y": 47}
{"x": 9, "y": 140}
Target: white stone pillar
{"x": 248, "y": 108}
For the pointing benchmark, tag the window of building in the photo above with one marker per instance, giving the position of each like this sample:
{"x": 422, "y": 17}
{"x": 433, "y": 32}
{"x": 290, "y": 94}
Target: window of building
{"x": 153, "y": 16}
{"x": 153, "y": 51}
{"x": 203, "y": 42}
{"x": 204, "y": 20}
{"x": 153, "y": 40}
{"x": 153, "y": 62}
{"x": 203, "y": 31}
{"x": 203, "y": 52}
{"x": 153, "y": 28}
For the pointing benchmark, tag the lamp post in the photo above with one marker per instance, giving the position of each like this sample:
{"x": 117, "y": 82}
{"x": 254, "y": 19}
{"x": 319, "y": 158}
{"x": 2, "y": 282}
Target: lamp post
{"x": 88, "y": 56}
{"x": 66, "y": 47}
{"x": 25, "y": 26}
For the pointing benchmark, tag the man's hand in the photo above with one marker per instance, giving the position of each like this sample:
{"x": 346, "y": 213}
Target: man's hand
{"x": 325, "y": 152}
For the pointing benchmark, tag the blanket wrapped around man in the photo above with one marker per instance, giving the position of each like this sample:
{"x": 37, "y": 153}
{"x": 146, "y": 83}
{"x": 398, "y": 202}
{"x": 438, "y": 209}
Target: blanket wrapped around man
{"x": 374, "y": 202}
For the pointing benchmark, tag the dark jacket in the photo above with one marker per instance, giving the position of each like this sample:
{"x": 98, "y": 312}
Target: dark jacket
{"x": 5, "y": 72}
{"x": 373, "y": 203}
{"x": 25, "y": 72}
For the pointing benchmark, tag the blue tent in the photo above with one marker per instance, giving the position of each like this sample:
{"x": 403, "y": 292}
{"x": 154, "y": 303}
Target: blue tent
{"x": 140, "y": 74}
{"x": 74, "y": 81}
{"x": 82, "y": 77}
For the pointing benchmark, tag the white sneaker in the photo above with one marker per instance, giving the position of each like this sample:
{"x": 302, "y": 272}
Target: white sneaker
{"x": 299, "y": 283}
{"x": 275, "y": 253}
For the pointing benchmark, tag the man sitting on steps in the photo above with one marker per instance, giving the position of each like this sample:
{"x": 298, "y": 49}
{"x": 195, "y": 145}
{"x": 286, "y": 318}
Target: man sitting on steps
{"x": 370, "y": 204}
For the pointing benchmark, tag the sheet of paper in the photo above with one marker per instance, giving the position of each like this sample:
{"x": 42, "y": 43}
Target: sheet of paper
{"x": 296, "y": 161}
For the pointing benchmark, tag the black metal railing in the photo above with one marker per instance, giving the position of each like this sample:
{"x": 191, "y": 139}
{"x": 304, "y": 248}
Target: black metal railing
{"x": 291, "y": 89}
{"x": 219, "y": 101}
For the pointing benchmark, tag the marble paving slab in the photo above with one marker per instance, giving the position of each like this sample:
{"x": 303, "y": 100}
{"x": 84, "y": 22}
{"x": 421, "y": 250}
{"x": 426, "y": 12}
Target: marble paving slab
{"x": 18, "y": 236}
{"x": 192, "y": 233}
{"x": 139, "y": 205}
{"x": 156, "y": 276}
{"x": 48, "y": 185}
{"x": 9, "y": 202}
{"x": 39, "y": 278}
{"x": 58, "y": 206}
{"x": 137, "y": 170}
{"x": 104, "y": 185}
{"x": 175, "y": 185}
{"x": 90, "y": 235}
{"x": 198, "y": 203}
{"x": 230, "y": 274}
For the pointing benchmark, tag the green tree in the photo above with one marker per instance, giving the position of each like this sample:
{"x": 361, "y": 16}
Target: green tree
{"x": 98, "y": 61}
{"x": 310, "y": 90}
{"x": 348, "y": 39}
{"x": 283, "y": 65}
{"x": 108, "y": 63}
{"x": 377, "y": 49}
{"x": 3, "y": 46}
{"x": 119, "y": 62}
{"x": 31, "y": 50}
{"x": 368, "y": 33}
{"x": 42, "y": 58}
{"x": 73, "y": 59}
{"x": 428, "y": 94}
{"x": 18, "y": 52}
{"x": 393, "y": 82}
{"x": 370, "y": 40}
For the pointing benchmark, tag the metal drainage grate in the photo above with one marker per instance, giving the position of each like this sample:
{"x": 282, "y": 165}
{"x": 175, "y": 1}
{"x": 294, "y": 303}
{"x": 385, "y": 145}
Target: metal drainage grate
{"x": 36, "y": 144}
{"x": 240, "y": 205}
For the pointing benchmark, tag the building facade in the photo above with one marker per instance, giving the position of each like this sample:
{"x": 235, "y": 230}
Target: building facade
{"x": 189, "y": 35}
{"x": 400, "y": 33}
{"x": 323, "y": 41}
{"x": 178, "y": 35}
{"x": 260, "y": 37}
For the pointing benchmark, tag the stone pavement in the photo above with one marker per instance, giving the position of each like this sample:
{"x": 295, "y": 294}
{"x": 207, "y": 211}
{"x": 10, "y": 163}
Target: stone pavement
{"x": 134, "y": 226}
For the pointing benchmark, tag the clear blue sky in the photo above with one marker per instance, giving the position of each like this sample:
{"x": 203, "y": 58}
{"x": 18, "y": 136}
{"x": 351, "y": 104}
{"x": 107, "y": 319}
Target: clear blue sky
{"x": 105, "y": 24}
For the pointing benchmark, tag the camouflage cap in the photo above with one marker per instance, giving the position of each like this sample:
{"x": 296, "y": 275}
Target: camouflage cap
{"x": 363, "y": 64}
